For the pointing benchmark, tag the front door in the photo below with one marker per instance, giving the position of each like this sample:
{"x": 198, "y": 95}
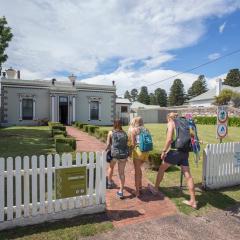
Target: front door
{"x": 63, "y": 110}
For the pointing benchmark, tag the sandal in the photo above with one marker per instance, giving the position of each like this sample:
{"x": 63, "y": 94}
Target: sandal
{"x": 188, "y": 203}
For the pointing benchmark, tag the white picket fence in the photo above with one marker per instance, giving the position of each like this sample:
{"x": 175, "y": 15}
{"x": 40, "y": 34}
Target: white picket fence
{"x": 221, "y": 166}
{"x": 27, "y": 188}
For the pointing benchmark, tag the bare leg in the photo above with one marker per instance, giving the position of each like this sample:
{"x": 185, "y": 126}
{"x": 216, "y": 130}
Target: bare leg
{"x": 164, "y": 166}
{"x": 137, "y": 166}
{"x": 121, "y": 169}
{"x": 110, "y": 170}
{"x": 190, "y": 183}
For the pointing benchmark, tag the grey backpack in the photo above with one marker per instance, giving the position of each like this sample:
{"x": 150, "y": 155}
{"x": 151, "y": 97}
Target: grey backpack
{"x": 182, "y": 140}
{"x": 119, "y": 148}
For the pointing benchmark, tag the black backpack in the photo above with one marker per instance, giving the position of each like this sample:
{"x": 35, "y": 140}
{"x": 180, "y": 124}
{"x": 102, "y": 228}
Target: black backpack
{"x": 182, "y": 140}
{"x": 119, "y": 148}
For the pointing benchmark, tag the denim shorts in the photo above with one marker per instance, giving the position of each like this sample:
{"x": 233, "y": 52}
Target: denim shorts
{"x": 175, "y": 157}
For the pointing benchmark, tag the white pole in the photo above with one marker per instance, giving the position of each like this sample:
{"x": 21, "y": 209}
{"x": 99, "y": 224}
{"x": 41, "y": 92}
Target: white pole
{"x": 73, "y": 109}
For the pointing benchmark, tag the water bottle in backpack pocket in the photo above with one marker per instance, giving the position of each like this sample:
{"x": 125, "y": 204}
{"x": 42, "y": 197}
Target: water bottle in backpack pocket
{"x": 145, "y": 141}
{"x": 119, "y": 148}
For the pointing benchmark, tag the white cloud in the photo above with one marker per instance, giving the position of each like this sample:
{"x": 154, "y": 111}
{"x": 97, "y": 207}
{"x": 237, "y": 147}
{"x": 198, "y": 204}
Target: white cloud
{"x": 212, "y": 81}
{"x": 214, "y": 56}
{"x": 222, "y": 27}
{"x": 75, "y": 36}
{"x": 127, "y": 80}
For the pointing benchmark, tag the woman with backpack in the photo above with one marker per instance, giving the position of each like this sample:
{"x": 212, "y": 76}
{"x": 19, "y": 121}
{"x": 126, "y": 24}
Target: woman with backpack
{"x": 117, "y": 144}
{"x": 139, "y": 155}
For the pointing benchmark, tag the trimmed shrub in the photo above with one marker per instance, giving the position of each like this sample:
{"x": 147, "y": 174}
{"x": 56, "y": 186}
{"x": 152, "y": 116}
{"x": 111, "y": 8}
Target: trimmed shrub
{"x": 81, "y": 125}
{"x": 58, "y": 132}
{"x": 58, "y": 136}
{"x": 155, "y": 160}
{"x": 101, "y": 134}
{"x": 63, "y": 148}
{"x": 70, "y": 141}
{"x": 85, "y": 128}
{"x": 204, "y": 120}
{"x": 92, "y": 129}
{"x": 211, "y": 120}
{"x": 234, "y": 122}
{"x": 62, "y": 128}
{"x": 50, "y": 124}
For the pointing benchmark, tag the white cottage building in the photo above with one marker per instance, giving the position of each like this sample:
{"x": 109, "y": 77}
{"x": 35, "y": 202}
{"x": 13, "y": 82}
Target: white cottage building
{"x": 26, "y": 102}
{"x": 206, "y": 99}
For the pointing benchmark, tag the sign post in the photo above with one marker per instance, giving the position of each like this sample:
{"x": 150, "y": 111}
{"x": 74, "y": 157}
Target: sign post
{"x": 222, "y": 122}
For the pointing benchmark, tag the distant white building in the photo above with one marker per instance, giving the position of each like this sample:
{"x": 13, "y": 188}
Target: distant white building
{"x": 206, "y": 99}
{"x": 123, "y": 110}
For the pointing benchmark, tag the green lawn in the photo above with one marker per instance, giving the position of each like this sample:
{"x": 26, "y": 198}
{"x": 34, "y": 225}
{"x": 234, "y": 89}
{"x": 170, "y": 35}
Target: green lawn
{"x": 21, "y": 141}
{"x": 69, "y": 229}
{"x": 170, "y": 185}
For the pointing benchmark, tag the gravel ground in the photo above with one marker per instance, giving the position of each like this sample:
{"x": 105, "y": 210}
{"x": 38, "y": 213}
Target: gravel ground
{"x": 216, "y": 225}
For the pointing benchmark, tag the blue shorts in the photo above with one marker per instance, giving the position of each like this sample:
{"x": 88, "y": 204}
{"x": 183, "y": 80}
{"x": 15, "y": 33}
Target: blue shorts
{"x": 179, "y": 158}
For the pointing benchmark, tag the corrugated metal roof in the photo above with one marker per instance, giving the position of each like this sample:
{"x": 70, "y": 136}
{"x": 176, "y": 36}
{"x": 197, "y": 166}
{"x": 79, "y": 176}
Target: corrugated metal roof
{"x": 137, "y": 105}
{"x": 123, "y": 100}
{"x": 210, "y": 94}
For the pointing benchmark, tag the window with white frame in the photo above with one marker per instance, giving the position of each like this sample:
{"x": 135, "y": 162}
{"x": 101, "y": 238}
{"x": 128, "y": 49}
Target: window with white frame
{"x": 94, "y": 110}
{"x": 27, "y": 109}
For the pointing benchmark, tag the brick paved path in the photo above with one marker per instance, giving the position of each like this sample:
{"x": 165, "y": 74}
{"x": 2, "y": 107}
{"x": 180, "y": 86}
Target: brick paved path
{"x": 130, "y": 210}
{"x": 85, "y": 142}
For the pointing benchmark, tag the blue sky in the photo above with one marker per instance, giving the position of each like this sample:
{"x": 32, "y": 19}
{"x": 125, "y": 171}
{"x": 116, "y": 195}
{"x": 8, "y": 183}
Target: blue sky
{"x": 135, "y": 43}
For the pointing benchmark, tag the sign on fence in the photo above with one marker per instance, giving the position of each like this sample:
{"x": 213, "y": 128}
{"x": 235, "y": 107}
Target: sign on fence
{"x": 71, "y": 182}
{"x": 28, "y": 187}
{"x": 221, "y": 165}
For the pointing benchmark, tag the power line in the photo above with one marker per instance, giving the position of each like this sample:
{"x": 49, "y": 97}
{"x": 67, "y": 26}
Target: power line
{"x": 194, "y": 68}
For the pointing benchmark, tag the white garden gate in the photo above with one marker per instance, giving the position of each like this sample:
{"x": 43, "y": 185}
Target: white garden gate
{"x": 27, "y": 188}
{"x": 221, "y": 165}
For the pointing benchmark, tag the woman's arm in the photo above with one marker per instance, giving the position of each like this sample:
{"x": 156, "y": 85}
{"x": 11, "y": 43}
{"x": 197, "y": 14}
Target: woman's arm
{"x": 133, "y": 137}
{"x": 109, "y": 140}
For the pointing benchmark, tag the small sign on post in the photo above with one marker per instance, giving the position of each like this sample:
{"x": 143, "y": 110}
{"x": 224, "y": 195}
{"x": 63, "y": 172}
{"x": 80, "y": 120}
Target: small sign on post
{"x": 222, "y": 122}
{"x": 71, "y": 182}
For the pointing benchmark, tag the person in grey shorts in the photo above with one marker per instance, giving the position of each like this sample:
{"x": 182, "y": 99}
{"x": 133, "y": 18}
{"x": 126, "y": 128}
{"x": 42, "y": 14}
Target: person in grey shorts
{"x": 174, "y": 157}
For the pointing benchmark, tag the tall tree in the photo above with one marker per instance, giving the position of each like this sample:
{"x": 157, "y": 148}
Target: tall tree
{"x": 198, "y": 87}
{"x": 153, "y": 100}
{"x": 233, "y": 78}
{"x": 134, "y": 94}
{"x": 177, "y": 93}
{"x": 5, "y": 38}
{"x": 161, "y": 97}
{"x": 127, "y": 95}
{"x": 143, "y": 96}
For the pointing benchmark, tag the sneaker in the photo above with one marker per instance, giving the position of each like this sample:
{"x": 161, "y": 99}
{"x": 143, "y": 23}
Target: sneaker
{"x": 110, "y": 185}
{"x": 120, "y": 195}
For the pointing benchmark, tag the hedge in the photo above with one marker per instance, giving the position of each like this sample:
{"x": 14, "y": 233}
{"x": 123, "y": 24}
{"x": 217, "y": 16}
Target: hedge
{"x": 59, "y": 127}
{"x": 210, "y": 120}
{"x": 81, "y": 125}
{"x": 155, "y": 160}
{"x": 92, "y": 129}
{"x": 58, "y": 132}
{"x": 65, "y": 141}
{"x": 51, "y": 124}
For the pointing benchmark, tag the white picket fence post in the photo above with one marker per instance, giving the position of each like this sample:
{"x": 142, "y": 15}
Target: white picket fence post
{"x": 221, "y": 166}
{"x": 27, "y": 185}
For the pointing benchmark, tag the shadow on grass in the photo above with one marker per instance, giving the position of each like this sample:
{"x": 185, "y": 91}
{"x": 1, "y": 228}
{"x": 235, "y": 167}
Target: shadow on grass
{"x": 214, "y": 198}
{"x": 57, "y": 225}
